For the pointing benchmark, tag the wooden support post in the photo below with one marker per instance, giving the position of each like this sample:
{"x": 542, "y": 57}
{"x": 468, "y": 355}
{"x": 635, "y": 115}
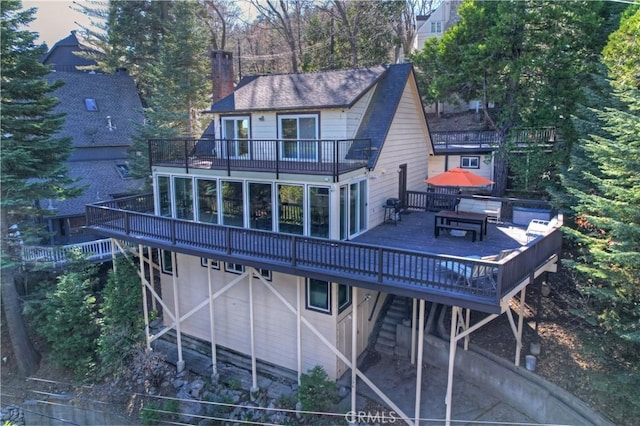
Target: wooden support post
{"x": 453, "y": 342}
{"x": 145, "y": 309}
{"x": 413, "y": 330}
{"x": 299, "y": 283}
{"x": 523, "y": 293}
{"x": 212, "y": 324}
{"x": 254, "y": 373}
{"x": 419, "y": 367}
{"x": 354, "y": 347}
{"x": 176, "y": 302}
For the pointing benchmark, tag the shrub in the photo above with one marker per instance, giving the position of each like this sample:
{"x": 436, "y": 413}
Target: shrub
{"x": 317, "y": 392}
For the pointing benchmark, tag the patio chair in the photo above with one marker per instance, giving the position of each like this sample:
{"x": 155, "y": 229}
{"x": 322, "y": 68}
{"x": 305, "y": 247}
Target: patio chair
{"x": 471, "y": 274}
{"x": 536, "y": 228}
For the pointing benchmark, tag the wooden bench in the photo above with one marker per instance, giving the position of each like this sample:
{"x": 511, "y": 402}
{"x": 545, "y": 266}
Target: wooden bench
{"x": 457, "y": 227}
{"x": 490, "y": 208}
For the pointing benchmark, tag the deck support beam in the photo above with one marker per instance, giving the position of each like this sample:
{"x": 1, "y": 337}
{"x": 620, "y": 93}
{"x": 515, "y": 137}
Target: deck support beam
{"x": 212, "y": 323}
{"x": 254, "y": 371}
{"x": 354, "y": 349}
{"x": 299, "y": 284}
{"x": 145, "y": 308}
{"x": 413, "y": 329}
{"x": 176, "y": 301}
{"x": 453, "y": 343}
{"x": 419, "y": 366}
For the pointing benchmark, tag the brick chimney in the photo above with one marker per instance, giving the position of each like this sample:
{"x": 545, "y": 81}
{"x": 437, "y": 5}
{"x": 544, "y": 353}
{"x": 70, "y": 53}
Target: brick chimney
{"x": 221, "y": 74}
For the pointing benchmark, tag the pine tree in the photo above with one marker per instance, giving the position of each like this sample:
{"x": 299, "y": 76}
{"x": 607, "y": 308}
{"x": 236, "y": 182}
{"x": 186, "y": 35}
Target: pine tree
{"x": 528, "y": 58}
{"x": 603, "y": 191}
{"x": 32, "y": 160}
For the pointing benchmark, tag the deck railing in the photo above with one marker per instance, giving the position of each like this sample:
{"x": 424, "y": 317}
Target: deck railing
{"x": 489, "y": 139}
{"x": 58, "y": 255}
{"x": 341, "y": 261}
{"x": 324, "y": 157}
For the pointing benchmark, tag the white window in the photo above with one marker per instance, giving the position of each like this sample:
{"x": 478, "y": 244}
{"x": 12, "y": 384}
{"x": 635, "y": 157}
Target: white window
{"x": 235, "y": 132}
{"x": 436, "y": 27}
{"x": 470, "y": 162}
{"x": 299, "y": 134}
{"x": 214, "y": 263}
{"x": 344, "y": 296}
{"x": 234, "y": 268}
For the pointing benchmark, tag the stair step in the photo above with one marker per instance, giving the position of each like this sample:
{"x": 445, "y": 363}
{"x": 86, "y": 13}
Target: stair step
{"x": 386, "y": 334}
{"x": 399, "y": 316}
{"x": 387, "y": 326}
{"x": 385, "y": 350}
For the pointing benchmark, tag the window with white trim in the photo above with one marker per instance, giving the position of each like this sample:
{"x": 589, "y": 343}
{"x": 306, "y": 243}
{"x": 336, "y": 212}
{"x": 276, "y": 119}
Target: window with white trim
{"x": 234, "y": 268}
{"x": 299, "y": 134}
{"x": 344, "y": 296}
{"x": 214, "y": 263}
{"x": 235, "y": 131}
{"x": 436, "y": 27}
{"x": 472, "y": 162}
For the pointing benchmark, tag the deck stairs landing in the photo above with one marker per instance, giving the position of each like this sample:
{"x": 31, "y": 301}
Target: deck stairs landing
{"x": 399, "y": 310}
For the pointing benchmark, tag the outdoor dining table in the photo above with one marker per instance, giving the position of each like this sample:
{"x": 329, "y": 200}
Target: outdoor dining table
{"x": 449, "y": 216}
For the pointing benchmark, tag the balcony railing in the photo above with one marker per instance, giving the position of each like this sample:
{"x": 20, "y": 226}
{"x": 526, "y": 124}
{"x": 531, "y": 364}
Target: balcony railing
{"x": 488, "y": 139}
{"x": 321, "y": 157}
{"x": 96, "y": 250}
{"x": 411, "y": 273}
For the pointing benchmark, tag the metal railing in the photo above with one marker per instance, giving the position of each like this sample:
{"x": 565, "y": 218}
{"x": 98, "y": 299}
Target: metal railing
{"x": 489, "y": 139}
{"x": 324, "y": 157}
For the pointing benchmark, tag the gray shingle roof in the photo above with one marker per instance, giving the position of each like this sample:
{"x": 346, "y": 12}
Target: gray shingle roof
{"x": 116, "y": 96}
{"x": 101, "y": 180}
{"x": 382, "y": 108}
{"x": 340, "y": 88}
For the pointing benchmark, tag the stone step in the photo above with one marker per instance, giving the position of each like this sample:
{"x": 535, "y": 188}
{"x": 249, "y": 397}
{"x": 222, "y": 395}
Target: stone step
{"x": 399, "y": 309}
{"x": 398, "y": 316}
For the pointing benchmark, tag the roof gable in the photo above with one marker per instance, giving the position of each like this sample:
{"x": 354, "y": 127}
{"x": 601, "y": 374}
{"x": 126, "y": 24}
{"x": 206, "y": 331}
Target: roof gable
{"x": 327, "y": 89}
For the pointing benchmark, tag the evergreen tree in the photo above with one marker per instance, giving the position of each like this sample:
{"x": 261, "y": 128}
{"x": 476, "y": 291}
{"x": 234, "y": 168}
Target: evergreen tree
{"x": 121, "y": 325}
{"x": 603, "y": 191}
{"x": 32, "y": 160}
{"x": 528, "y": 58}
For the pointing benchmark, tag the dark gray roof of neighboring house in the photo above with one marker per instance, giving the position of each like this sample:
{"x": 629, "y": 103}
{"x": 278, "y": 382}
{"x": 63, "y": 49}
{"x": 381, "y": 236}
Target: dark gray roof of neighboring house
{"x": 382, "y": 108}
{"x": 115, "y": 96}
{"x": 326, "y": 89}
{"x": 61, "y": 56}
{"x": 101, "y": 180}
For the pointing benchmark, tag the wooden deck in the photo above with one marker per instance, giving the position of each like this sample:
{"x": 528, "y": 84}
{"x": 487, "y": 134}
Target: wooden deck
{"x": 415, "y": 232}
{"x": 402, "y": 259}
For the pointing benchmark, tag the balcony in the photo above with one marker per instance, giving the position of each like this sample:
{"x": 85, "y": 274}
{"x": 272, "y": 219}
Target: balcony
{"x": 415, "y": 266}
{"x": 317, "y": 157}
{"x": 488, "y": 140}
{"x": 56, "y": 256}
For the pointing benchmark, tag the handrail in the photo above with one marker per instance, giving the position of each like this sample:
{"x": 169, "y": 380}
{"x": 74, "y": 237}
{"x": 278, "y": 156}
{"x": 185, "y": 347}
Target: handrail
{"x": 317, "y": 156}
{"x": 375, "y": 303}
{"x": 339, "y": 260}
{"x": 95, "y": 250}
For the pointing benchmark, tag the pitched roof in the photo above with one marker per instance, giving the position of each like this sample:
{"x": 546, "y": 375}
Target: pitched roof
{"x": 115, "y": 96}
{"x": 326, "y": 89}
{"x": 382, "y": 108}
{"x": 61, "y": 56}
{"x": 101, "y": 180}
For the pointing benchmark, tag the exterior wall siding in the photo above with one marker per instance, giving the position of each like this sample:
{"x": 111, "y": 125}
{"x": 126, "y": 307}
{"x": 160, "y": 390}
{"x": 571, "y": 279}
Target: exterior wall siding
{"x": 438, "y": 164}
{"x": 402, "y": 146}
{"x": 274, "y": 324}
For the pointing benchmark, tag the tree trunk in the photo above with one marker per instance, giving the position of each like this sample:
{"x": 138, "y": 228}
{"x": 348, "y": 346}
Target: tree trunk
{"x": 27, "y": 357}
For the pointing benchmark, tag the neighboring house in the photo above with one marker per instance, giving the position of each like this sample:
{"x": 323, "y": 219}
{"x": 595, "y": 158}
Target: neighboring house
{"x": 436, "y": 23}
{"x": 102, "y": 111}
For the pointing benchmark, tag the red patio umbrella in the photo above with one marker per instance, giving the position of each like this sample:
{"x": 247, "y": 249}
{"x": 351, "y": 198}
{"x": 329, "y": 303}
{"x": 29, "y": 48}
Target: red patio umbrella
{"x": 458, "y": 177}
